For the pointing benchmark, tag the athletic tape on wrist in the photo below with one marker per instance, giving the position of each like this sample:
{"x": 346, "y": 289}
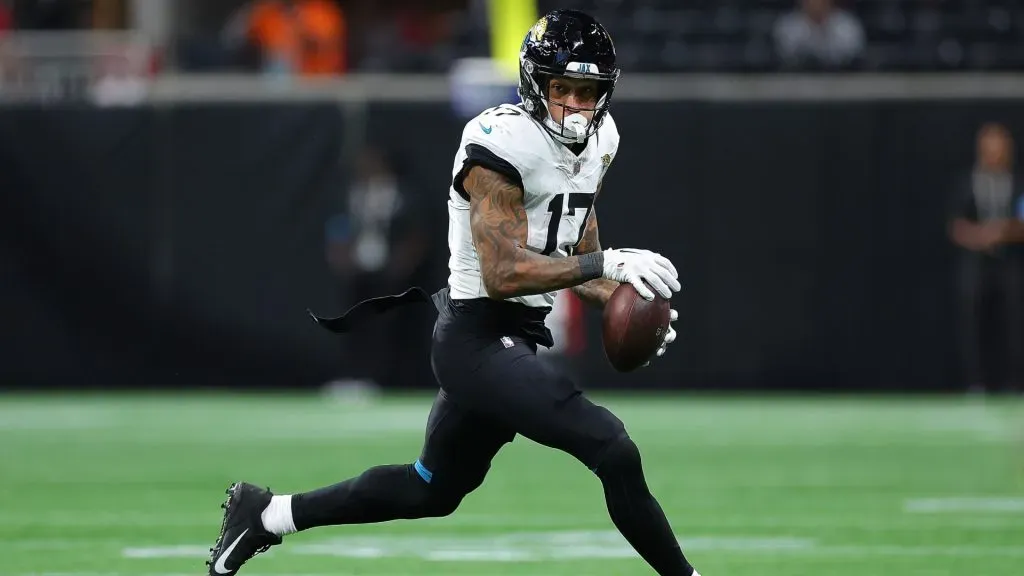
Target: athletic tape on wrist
{"x": 592, "y": 265}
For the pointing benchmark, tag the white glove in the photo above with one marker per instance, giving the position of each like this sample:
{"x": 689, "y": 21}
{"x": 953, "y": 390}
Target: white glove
{"x": 670, "y": 336}
{"x": 636, "y": 266}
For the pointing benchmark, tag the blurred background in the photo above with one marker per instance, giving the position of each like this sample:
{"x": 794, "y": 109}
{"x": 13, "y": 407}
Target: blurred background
{"x": 837, "y": 182}
{"x": 183, "y": 179}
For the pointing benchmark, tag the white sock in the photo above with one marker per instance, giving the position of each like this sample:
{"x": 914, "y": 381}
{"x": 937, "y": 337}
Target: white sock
{"x": 277, "y": 516}
{"x": 695, "y": 573}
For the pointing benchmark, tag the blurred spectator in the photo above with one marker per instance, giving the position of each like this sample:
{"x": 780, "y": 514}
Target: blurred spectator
{"x": 302, "y": 37}
{"x": 411, "y": 37}
{"x": 375, "y": 247}
{"x": 818, "y": 35}
{"x": 988, "y": 224}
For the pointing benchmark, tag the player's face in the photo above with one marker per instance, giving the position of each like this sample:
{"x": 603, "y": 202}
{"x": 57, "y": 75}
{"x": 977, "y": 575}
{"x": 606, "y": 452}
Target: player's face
{"x": 570, "y": 96}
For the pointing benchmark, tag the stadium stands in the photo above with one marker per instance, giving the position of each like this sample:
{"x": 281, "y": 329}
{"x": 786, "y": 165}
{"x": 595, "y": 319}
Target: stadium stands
{"x": 737, "y": 35}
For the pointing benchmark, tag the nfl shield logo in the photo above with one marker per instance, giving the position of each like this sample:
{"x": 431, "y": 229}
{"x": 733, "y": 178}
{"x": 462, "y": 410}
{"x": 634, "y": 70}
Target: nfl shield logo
{"x": 575, "y": 168}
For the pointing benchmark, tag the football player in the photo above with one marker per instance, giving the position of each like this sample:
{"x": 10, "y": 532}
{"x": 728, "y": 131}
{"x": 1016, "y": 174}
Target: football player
{"x": 522, "y": 226}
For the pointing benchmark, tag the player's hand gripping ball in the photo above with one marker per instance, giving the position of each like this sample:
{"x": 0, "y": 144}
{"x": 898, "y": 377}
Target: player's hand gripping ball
{"x": 636, "y": 330}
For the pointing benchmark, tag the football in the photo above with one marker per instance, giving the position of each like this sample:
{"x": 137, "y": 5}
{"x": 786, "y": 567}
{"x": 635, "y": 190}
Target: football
{"x": 633, "y": 328}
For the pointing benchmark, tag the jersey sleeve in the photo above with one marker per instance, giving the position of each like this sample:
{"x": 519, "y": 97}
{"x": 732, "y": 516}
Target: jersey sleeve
{"x": 495, "y": 140}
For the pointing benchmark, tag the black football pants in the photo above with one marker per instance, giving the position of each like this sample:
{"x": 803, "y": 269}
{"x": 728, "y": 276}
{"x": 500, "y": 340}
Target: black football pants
{"x": 494, "y": 387}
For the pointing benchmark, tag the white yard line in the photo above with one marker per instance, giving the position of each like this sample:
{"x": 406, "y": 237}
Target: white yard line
{"x": 573, "y": 545}
{"x": 507, "y": 547}
{"x": 960, "y": 504}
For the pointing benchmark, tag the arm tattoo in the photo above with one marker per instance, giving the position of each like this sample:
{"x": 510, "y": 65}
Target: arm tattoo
{"x": 591, "y": 241}
{"x": 499, "y": 225}
{"x": 595, "y": 292}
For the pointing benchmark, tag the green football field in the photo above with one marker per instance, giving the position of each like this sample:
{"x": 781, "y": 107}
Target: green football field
{"x": 753, "y": 486}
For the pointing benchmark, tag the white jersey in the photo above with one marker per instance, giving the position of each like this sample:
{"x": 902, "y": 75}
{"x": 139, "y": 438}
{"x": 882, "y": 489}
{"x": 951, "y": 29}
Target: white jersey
{"x": 559, "y": 189}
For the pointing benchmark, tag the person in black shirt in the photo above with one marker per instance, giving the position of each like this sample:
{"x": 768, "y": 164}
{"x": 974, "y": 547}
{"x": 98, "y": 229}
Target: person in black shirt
{"x": 988, "y": 227}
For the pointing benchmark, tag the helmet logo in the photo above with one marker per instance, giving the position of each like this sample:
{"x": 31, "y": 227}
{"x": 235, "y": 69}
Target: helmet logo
{"x": 539, "y": 29}
{"x": 582, "y": 68}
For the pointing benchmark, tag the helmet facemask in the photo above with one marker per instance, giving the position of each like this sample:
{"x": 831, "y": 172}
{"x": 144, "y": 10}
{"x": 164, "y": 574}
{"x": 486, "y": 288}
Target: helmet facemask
{"x": 534, "y": 82}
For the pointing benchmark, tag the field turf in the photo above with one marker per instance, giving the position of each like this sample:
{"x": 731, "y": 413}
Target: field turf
{"x": 754, "y": 486}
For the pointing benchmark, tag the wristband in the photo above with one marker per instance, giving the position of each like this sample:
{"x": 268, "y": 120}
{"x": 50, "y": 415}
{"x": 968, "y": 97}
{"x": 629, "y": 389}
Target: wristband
{"x": 591, "y": 265}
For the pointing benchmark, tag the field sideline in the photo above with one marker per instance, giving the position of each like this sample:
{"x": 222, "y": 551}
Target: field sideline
{"x": 793, "y": 486}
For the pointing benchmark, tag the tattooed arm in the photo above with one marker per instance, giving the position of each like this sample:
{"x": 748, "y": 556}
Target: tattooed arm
{"x": 595, "y": 292}
{"x": 508, "y": 268}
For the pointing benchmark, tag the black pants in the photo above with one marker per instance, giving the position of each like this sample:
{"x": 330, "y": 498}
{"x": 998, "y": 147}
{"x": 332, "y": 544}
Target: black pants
{"x": 493, "y": 387}
{"x": 992, "y": 324}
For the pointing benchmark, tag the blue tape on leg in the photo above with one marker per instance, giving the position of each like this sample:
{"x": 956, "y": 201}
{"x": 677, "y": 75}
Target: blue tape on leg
{"x": 427, "y": 475}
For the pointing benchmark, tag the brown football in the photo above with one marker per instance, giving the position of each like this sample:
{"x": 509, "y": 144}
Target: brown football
{"x": 633, "y": 328}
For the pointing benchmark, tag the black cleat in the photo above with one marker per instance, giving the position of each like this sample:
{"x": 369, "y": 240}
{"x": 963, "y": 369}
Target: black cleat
{"x": 242, "y": 535}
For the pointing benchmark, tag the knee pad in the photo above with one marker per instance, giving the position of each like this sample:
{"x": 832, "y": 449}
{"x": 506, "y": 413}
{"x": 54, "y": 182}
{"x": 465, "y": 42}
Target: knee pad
{"x": 621, "y": 457}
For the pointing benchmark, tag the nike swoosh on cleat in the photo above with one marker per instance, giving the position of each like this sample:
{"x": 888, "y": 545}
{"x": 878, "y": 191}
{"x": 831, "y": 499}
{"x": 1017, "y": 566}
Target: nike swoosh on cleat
{"x": 220, "y": 567}
{"x": 486, "y": 129}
